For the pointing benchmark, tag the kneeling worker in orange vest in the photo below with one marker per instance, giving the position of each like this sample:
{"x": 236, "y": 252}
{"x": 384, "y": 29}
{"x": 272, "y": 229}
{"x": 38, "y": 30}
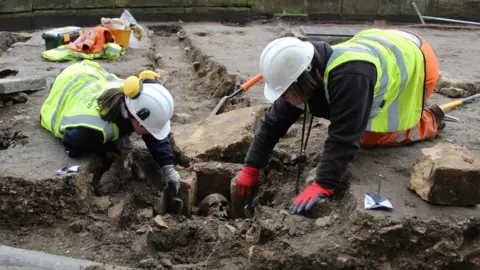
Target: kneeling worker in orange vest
{"x": 92, "y": 111}
{"x": 372, "y": 88}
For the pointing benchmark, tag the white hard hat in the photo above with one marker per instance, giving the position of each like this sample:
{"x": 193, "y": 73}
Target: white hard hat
{"x": 153, "y": 108}
{"x": 282, "y": 61}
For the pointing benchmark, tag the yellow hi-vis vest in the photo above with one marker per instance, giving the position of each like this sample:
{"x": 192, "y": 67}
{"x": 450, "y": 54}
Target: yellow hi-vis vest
{"x": 111, "y": 51}
{"x": 399, "y": 90}
{"x": 72, "y": 101}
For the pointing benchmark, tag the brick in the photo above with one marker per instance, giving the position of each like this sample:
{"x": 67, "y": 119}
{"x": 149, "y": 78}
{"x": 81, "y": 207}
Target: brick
{"x": 10, "y": 6}
{"x": 50, "y": 4}
{"x": 188, "y": 190}
{"x": 365, "y": 7}
{"x": 279, "y": 6}
{"x": 13, "y": 85}
{"x": 447, "y": 174}
{"x": 93, "y": 4}
{"x": 23, "y": 21}
{"x": 217, "y": 138}
{"x": 143, "y": 3}
{"x": 214, "y": 177}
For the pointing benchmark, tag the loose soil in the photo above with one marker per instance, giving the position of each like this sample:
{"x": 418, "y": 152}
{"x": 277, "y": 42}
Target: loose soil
{"x": 62, "y": 215}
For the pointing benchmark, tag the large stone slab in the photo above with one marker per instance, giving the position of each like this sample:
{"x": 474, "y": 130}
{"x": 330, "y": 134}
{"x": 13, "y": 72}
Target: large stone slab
{"x": 453, "y": 9}
{"x": 447, "y": 174}
{"x": 13, "y": 85}
{"x": 356, "y": 7}
{"x": 225, "y": 137}
{"x": 15, "y": 6}
{"x": 50, "y": 4}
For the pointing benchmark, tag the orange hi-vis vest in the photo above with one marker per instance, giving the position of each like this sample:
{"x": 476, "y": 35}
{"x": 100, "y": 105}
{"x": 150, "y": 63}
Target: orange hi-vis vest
{"x": 92, "y": 41}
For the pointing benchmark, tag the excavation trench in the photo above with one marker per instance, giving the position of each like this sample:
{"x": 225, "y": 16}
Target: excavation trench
{"x": 127, "y": 220}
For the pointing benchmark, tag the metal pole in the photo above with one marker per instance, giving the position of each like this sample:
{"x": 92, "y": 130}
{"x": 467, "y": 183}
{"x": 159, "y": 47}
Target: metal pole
{"x": 418, "y": 12}
{"x": 450, "y": 20}
{"x": 421, "y": 17}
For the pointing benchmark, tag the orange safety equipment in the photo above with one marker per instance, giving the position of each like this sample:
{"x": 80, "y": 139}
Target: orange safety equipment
{"x": 92, "y": 41}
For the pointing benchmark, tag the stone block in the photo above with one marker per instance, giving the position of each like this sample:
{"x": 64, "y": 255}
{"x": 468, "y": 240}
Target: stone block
{"x": 225, "y": 137}
{"x": 279, "y": 6}
{"x": 356, "y": 7}
{"x": 157, "y": 14}
{"x": 81, "y": 4}
{"x": 54, "y": 18}
{"x": 93, "y": 16}
{"x": 214, "y": 177}
{"x": 237, "y": 201}
{"x": 447, "y": 174}
{"x": 324, "y": 7}
{"x": 13, "y": 85}
{"x": 50, "y": 4}
{"x": 453, "y": 9}
{"x": 210, "y": 3}
{"x": 188, "y": 190}
{"x": 10, "y": 6}
{"x": 232, "y": 14}
{"x": 400, "y": 7}
{"x": 23, "y": 21}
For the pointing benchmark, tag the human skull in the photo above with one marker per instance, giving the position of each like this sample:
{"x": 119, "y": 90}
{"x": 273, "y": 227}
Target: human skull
{"x": 215, "y": 205}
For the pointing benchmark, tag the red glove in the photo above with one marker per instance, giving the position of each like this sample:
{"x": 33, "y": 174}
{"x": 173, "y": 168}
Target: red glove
{"x": 247, "y": 180}
{"x": 307, "y": 199}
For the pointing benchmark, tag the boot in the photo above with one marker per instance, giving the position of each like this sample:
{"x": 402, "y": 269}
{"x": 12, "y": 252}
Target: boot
{"x": 438, "y": 114}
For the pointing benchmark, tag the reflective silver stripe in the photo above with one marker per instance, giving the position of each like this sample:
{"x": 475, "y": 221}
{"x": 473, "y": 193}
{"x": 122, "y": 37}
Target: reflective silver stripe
{"x": 393, "y": 109}
{"x": 408, "y": 36}
{"x": 91, "y": 120}
{"x": 64, "y": 92}
{"x": 414, "y": 134}
{"x": 400, "y": 136}
{"x": 112, "y": 49}
{"x": 380, "y": 96}
{"x": 111, "y": 78}
{"x": 337, "y": 52}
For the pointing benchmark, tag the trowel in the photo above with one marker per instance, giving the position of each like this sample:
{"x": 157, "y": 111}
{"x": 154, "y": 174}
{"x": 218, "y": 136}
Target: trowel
{"x": 242, "y": 88}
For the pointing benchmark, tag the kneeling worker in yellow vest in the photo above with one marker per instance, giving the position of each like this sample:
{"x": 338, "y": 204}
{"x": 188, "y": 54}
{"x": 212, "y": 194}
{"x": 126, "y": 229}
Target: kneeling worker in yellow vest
{"x": 372, "y": 88}
{"x": 91, "y": 110}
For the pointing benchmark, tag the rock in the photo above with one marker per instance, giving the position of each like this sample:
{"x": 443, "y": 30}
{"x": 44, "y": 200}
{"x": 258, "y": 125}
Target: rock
{"x": 164, "y": 75}
{"x": 166, "y": 262}
{"x": 214, "y": 177}
{"x": 188, "y": 190}
{"x": 14, "y": 85}
{"x": 101, "y": 204}
{"x": 447, "y": 174}
{"x": 17, "y": 98}
{"x": 393, "y": 228}
{"x": 181, "y": 118}
{"x": 159, "y": 223}
{"x": 312, "y": 175}
{"x": 196, "y": 65}
{"x": 225, "y": 137}
{"x": 237, "y": 201}
{"x": 146, "y": 213}
{"x": 160, "y": 204}
{"x": 181, "y": 34}
{"x": 149, "y": 263}
{"x": 144, "y": 229}
{"x": 116, "y": 210}
{"x": 8, "y": 103}
{"x": 454, "y": 92}
{"x": 323, "y": 221}
{"x": 158, "y": 56}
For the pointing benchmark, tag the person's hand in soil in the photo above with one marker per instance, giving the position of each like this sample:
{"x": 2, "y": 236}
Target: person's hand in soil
{"x": 247, "y": 180}
{"x": 312, "y": 194}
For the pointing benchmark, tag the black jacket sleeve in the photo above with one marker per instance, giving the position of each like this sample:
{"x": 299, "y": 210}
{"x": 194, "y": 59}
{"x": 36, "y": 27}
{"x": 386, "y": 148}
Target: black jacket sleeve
{"x": 161, "y": 150}
{"x": 273, "y": 125}
{"x": 350, "y": 102}
{"x": 81, "y": 141}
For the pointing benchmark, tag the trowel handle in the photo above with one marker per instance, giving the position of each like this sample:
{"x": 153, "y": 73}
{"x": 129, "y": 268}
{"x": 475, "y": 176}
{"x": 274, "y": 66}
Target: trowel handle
{"x": 252, "y": 82}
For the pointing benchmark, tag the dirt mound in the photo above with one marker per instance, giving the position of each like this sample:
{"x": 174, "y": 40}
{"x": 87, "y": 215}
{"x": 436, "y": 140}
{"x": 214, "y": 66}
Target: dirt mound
{"x": 10, "y": 138}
